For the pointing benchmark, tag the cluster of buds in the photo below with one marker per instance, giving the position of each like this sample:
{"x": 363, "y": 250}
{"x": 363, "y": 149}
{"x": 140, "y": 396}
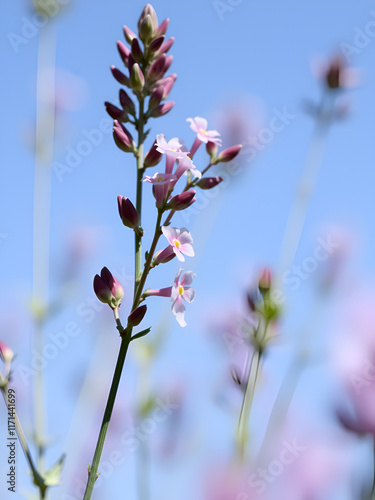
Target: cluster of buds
{"x": 146, "y": 64}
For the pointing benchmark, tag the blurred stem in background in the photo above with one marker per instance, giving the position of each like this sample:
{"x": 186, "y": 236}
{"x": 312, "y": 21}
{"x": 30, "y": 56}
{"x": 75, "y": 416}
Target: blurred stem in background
{"x": 45, "y": 125}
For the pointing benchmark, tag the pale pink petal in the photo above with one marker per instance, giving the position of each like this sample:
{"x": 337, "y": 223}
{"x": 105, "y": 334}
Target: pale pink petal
{"x": 201, "y": 122}
{"x": 189, "y": 294}
{"x": 187, "y": 249}
{"x": 170, "y": 233}
{"x": 179, "y": 255}
{"x": 192, "y": 124}
{"x": 174, "y": 144}
{"x": 185, "y": 236}
{"x": 187, "y": 278}
{"x": 161, "y": 143}
{"x": 177, "y": 278}
{"x": 178, "y": 310}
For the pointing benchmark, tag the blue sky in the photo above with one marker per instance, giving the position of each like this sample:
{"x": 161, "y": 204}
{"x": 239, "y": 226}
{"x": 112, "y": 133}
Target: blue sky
{"x": 257, "y": 54}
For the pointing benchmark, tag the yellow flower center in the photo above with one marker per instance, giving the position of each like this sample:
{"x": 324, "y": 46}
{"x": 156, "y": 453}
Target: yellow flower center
{"x": 176, "y": 243}
{"x": 202, "y": 131}
{"x": 159, "y": 179}
{"x": 180, "y": 290}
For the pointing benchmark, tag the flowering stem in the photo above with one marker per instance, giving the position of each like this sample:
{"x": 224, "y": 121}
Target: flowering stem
{"x": 107, "y": 415}
{"x": 148, "y": 262}
{"x": 140, "y": 172}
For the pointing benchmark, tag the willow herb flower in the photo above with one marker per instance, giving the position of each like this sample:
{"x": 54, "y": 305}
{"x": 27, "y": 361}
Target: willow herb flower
{"x": 180, "y": 240}
{"x": 172, "y": 150}
{"x": 199, "y": 126}
{"x": 178, "y": 292}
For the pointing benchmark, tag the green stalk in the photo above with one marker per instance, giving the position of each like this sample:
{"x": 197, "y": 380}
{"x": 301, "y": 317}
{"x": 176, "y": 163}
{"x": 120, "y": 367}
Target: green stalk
{"x": 107, "y": 416}
{"x": 140, "y": 172}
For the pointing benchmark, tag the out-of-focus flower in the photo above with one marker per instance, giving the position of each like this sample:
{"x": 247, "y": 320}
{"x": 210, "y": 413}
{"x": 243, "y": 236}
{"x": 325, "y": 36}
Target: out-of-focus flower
{"x": 180, "y": 240}
{"x": 178, "y": 292}
{"x": 335, "y": 73}
{"x": 264, "y": 280}
{"x": 108, "y": 289}
{"x": 6, "y": 353}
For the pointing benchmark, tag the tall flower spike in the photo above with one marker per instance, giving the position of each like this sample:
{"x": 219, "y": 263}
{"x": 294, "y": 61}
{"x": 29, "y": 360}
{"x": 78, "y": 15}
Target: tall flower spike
{"x": 180, "y": 240}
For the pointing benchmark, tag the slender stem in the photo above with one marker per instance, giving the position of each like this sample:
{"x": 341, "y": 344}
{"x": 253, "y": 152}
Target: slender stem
{"x": 148, "y": 262}
{"x": 140, "y": 171}
{"x": 39, "y": 399}
{"x": 107, "y": 416}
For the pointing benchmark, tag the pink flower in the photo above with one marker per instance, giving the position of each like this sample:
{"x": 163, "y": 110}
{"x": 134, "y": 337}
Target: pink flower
{"x": 178, "y": 292}
{"x": 180, "y": 240}
{"x": 6, "y": 353}
{"x": 161, "y": 186}
{"x": 199, "y": 125}
{"x": 185, "y": 163}
{"x": 172, "y": 149}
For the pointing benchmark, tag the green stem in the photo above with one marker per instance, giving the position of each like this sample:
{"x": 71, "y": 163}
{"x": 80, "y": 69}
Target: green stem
{"x": 39, "y": 399}
{"x": 140, "y": 172}
{"x": 148, "y": 262}
{"x": 107, "y": 416}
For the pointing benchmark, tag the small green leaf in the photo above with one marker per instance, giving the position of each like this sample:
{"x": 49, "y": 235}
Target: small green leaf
{"x": 141, "y": 334}
{"x": 53, "y": 475}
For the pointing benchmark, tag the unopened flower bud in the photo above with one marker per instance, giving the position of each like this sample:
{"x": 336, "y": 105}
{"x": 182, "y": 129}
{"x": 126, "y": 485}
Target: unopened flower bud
{"x": 128, "y": 213}
{"x": 334, "y": 73}
{"x": 211, "y": 148}
{"x": 159, "y": 68}
{"x": 129, "y": 35}
{"x": 163, "y": 109}
{"x": 164, "y": 256}
{"x": 115, "y": 112}
{"x": 136, "y": 50}
{"x": 264, "y": 281}
{"x": 126, "y": 102}
{"x": 152, "y": 157}
{"x": 182, "y": 200}
{"x": 209, "y": 182}
{"x": 6, "y": 353}
{"x": 136, "y": 316}
{"x": 120, "y": 77}
{"x": 156, "y": 97}
{"x": 148, "y": 11}
{"x": 229, "y": 154}
{"x": 108, "y": 289}
{"x": 137, "y": 79}
{"x": 156, "y": 44}
{"x": 124, "y": 52}
{"x": 166, "y": 46}
{"x": 146, "y": 30}
{"x": 162, "y": 29}
{"x": 168, "y": 84}
{"x": 123, "y": 138}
